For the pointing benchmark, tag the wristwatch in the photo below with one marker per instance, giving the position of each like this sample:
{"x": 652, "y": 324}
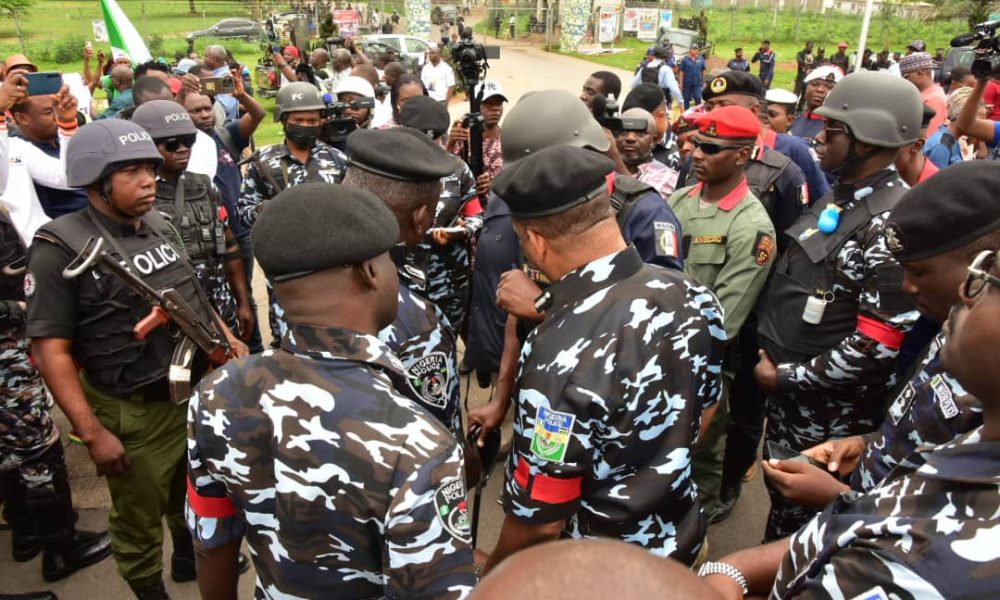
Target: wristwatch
{"x": 721, "y": 568}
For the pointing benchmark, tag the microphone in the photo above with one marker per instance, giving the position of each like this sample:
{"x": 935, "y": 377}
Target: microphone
{"x": 964, "y": 40}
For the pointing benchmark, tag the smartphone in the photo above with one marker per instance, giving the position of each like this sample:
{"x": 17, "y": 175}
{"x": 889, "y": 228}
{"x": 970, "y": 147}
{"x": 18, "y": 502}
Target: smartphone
{"x": 43, "y": 84}
{"x": 88, "y": 46}
{"x": 779, "y": 452}
{"x": 212, "y": 86}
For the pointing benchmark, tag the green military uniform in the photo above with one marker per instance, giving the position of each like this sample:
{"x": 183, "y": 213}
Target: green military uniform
{"x": 729, "y": 246}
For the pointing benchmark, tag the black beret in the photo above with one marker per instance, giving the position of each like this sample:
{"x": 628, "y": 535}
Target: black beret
{"x": 426, "y": 115}
{"x": 647, "y": 96}
{"x": 315, "y": 226}
{"x": 733, "y": 82}
{"x": 555, "y": 180}
{"x": 399, "y": 154}
{"x": 947, "y": 211}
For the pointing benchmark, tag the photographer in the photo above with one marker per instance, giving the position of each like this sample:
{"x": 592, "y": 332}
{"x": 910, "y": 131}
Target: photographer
{"x": 287, "y": 63}
{"x": 491, "y": 108}
{"x": 350, "y": 91}
{"x": 217, "y": 60}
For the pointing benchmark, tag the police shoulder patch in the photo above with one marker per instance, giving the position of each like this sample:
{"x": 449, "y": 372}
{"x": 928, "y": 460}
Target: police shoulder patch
{"x": 666, "y": 238}
{"x": 451, "y": 509}
{"x": 29, "y": 285}
{"x": 428, "y": 378}
{"x": 550, "y": 439}
{"x": 763, "y": 248}
{"x": 894, "y": 239}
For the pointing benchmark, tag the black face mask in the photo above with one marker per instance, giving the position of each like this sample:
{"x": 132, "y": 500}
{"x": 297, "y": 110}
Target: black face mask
{"x": 303, "y": 136}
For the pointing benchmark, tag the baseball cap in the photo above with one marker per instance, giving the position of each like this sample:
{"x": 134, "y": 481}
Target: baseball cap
{"x": 490, "y": 89}
{"x": 184, "y": 65}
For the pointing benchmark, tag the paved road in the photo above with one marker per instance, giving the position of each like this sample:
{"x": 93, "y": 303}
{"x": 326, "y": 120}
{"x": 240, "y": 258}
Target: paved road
{"x": 519, "y": 70}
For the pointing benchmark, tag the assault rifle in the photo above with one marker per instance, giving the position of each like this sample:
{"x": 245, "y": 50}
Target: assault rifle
{"x": 167, "y": 305}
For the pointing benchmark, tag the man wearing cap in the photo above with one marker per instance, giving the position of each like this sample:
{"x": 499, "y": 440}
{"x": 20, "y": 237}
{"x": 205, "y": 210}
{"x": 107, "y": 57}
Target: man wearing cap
{"x": 492, "y": 110}
{"x": 299, "y": 159}
{"x": 444, "y": 254}
{"x": 692, "y": 69}
{"x": 287, "y": 62}
{"x": 316, "y": 452}
{"x": 359, "y": 97}
{"x": 649, "y": 97}
{"x": 404, "y": 168}
{"x": 945, "y": 146}
{"x": 834, "y": 318}
{"x": 911, "y": 163}
{"x": 840, "y": 59}
{"x": 780, "y": 109}
{"x": 729, "y": 246}
{"x": 818, "y": 84}
{"x": 659, "y": 72}
{"x": 932, "y": 407}
{"x": 917, "y": 69}
{"x": 112, "y": 386}
{"x": 197, "y": 213}
{"x": 738, "y": 62}
{"x": 768, "y": 59}
{"x": 597, "y": 375}
{"x": 635, "y": 147}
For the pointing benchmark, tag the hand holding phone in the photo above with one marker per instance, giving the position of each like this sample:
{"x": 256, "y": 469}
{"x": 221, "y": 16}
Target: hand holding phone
{"x": 44, "y": 84}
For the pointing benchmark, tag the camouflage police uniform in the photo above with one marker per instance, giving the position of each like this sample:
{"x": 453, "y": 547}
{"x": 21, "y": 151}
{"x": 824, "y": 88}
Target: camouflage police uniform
{"x": 200, "y": 222}
{"x": 274, "y": 170}
{"x": 932, "y": 408}
{"x": 922, "y": 533}
{"x": 609, "y": 397}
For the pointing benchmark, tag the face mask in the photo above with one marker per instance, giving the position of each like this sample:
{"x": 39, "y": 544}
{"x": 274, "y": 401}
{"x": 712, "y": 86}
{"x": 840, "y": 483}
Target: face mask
{"x": 303, "y": 136}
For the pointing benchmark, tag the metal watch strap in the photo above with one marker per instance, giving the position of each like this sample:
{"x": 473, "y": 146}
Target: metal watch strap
{"x": 721, "y": 568}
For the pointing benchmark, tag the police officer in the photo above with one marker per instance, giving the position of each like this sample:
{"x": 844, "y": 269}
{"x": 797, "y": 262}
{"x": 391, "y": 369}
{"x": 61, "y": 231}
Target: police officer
{"x": 301, "y": 158}
{"x": 112, "y": 386}
{"x": 920, "y": 533}
{"x": 540, "y": 120}
{"x": 34, "y": 483}
{"x": 834, "y": 317}
{"x": 935, "y": 231}
{"x": 599, "y": 447}
{"x": 404, "y": 168}
{"x": 729, "y": 246}
{"x": 818, "y": 84}
{"x": 360, "y": 495}
{"x": 659, "y": 73}
{"x": 444, "y": 254}
{"x": 196, "y": 212}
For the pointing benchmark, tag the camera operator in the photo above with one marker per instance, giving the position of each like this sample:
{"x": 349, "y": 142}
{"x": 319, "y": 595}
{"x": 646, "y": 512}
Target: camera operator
{"x": 971, "y": 124}
{"x": 352, "y": 90}
{"x": 491, "y": 107}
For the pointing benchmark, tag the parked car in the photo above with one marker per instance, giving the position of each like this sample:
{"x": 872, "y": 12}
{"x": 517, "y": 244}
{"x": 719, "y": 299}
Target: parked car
{"x": 230, "y": 28}
{"x": 961, "y": 56}
{"x": 414, "y": 49}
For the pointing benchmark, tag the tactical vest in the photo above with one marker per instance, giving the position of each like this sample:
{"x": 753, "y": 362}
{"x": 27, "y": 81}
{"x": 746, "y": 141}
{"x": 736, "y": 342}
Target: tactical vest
{"x": 12, "y": 260}
{"x": 114, "y": 361}
{"x": 651, "y": 74}
{"x": 807, "y": 269}
{"x": 762, "y": 173}
{"x": 194, "y": 215}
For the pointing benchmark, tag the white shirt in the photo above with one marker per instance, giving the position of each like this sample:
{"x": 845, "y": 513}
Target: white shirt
{"x": 26, "y": 165}
{"x": 204, "y": 157}
{"x": 382, "y": 113}
{"x": 438, "y": 79}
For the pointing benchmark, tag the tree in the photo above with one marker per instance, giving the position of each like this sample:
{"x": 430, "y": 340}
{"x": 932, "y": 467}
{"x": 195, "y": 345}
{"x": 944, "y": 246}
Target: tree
{"x": 14, "y": 9}
{"x": 975, "y": 11}
{"x": 192, "y": 9}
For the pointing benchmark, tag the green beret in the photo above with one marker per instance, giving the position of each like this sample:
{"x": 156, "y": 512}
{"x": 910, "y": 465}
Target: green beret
{"x": 315, "y": 226}
{"x": 399, "y": 153}
{"x": 952, "y": 208}
{"x": 555, "y": 180}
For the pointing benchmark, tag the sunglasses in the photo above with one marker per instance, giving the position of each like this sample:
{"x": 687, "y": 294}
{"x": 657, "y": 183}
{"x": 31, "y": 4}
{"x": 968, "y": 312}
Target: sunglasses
{"x": 711, "y": 148}
{"x": 835, "y": 129}
{"x": 978, "y": 274}
{"x": 171, "y": 144}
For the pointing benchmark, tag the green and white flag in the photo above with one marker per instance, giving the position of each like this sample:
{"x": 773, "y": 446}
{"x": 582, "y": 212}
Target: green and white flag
{"x": 125, "y": 40}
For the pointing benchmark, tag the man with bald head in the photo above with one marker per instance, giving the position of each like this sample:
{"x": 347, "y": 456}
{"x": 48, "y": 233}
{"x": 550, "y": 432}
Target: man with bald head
{"x": 382, "y": 113}
{"x": 217, "y": 59}
{"x": 342, "y": 64}
{"x": 635, "y": 142}
{"x": 121, "y": 81}
{"x": 319, "y": 59}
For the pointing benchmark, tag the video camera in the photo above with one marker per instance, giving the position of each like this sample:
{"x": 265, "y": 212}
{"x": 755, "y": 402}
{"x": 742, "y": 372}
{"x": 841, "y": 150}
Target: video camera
{"x": 987, "y": 51}
{"x": 336, "y": 125}
{"x": 605, "y": 111}
{"x": 471, "y": 58}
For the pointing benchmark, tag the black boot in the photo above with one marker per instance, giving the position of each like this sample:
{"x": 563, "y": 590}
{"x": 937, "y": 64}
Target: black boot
{"x": 157, "y": 591}
{"x": 66, "y": 550}
{"x": 727, "y": 501}
{"x": 24, "y": 546}
{"x": 30, "y": 596}
{"x": 182, "y": 567}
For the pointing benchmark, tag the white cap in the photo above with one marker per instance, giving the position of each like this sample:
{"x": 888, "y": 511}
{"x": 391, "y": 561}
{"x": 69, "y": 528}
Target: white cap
{"x": 490, "y": 89}
{"x": 780, "y": 96}
{"x": 184, "y": 65}
{"x": 830, "y": 73}
{"x": 355, "y": 85}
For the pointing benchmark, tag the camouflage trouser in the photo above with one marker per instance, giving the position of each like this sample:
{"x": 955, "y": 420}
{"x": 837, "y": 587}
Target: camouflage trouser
{"x": 800, "y": 422}
{"x": 26, "y": 428}
{"x": 275, "y": 316}
{"x": 706, "y": 462}
{"x": 212, "y": 277}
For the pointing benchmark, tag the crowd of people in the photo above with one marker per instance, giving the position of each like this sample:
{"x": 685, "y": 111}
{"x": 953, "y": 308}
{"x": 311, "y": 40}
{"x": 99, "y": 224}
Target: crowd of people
{"x": 649, "y": 300}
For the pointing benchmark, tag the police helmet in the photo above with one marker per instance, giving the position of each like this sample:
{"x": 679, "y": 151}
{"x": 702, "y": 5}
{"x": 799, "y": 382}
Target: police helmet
{"x": 297, "y": 96}
{"x": 880, "y": 109}
{"x": 103, "y": 147}
{"x": 164, "y": 119}
{"x": 549, "y": 118}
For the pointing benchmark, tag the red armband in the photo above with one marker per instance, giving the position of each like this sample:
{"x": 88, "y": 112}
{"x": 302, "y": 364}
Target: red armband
{"x": 223, "y": 214}
{"x": 472, "y": 208}
{"x": 208, "y": 507}
{"x": 547, "y": 489}
{"x": 887, "y": 335}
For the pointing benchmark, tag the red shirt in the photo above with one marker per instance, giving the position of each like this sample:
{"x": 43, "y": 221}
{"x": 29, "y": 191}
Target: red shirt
{"x": 991, "y": 97}
{"x": 928, "y": 170}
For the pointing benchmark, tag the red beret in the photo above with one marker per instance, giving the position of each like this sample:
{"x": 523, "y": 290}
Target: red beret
{"x": 729, "y": 123}
{"x": 292, "y": 50}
